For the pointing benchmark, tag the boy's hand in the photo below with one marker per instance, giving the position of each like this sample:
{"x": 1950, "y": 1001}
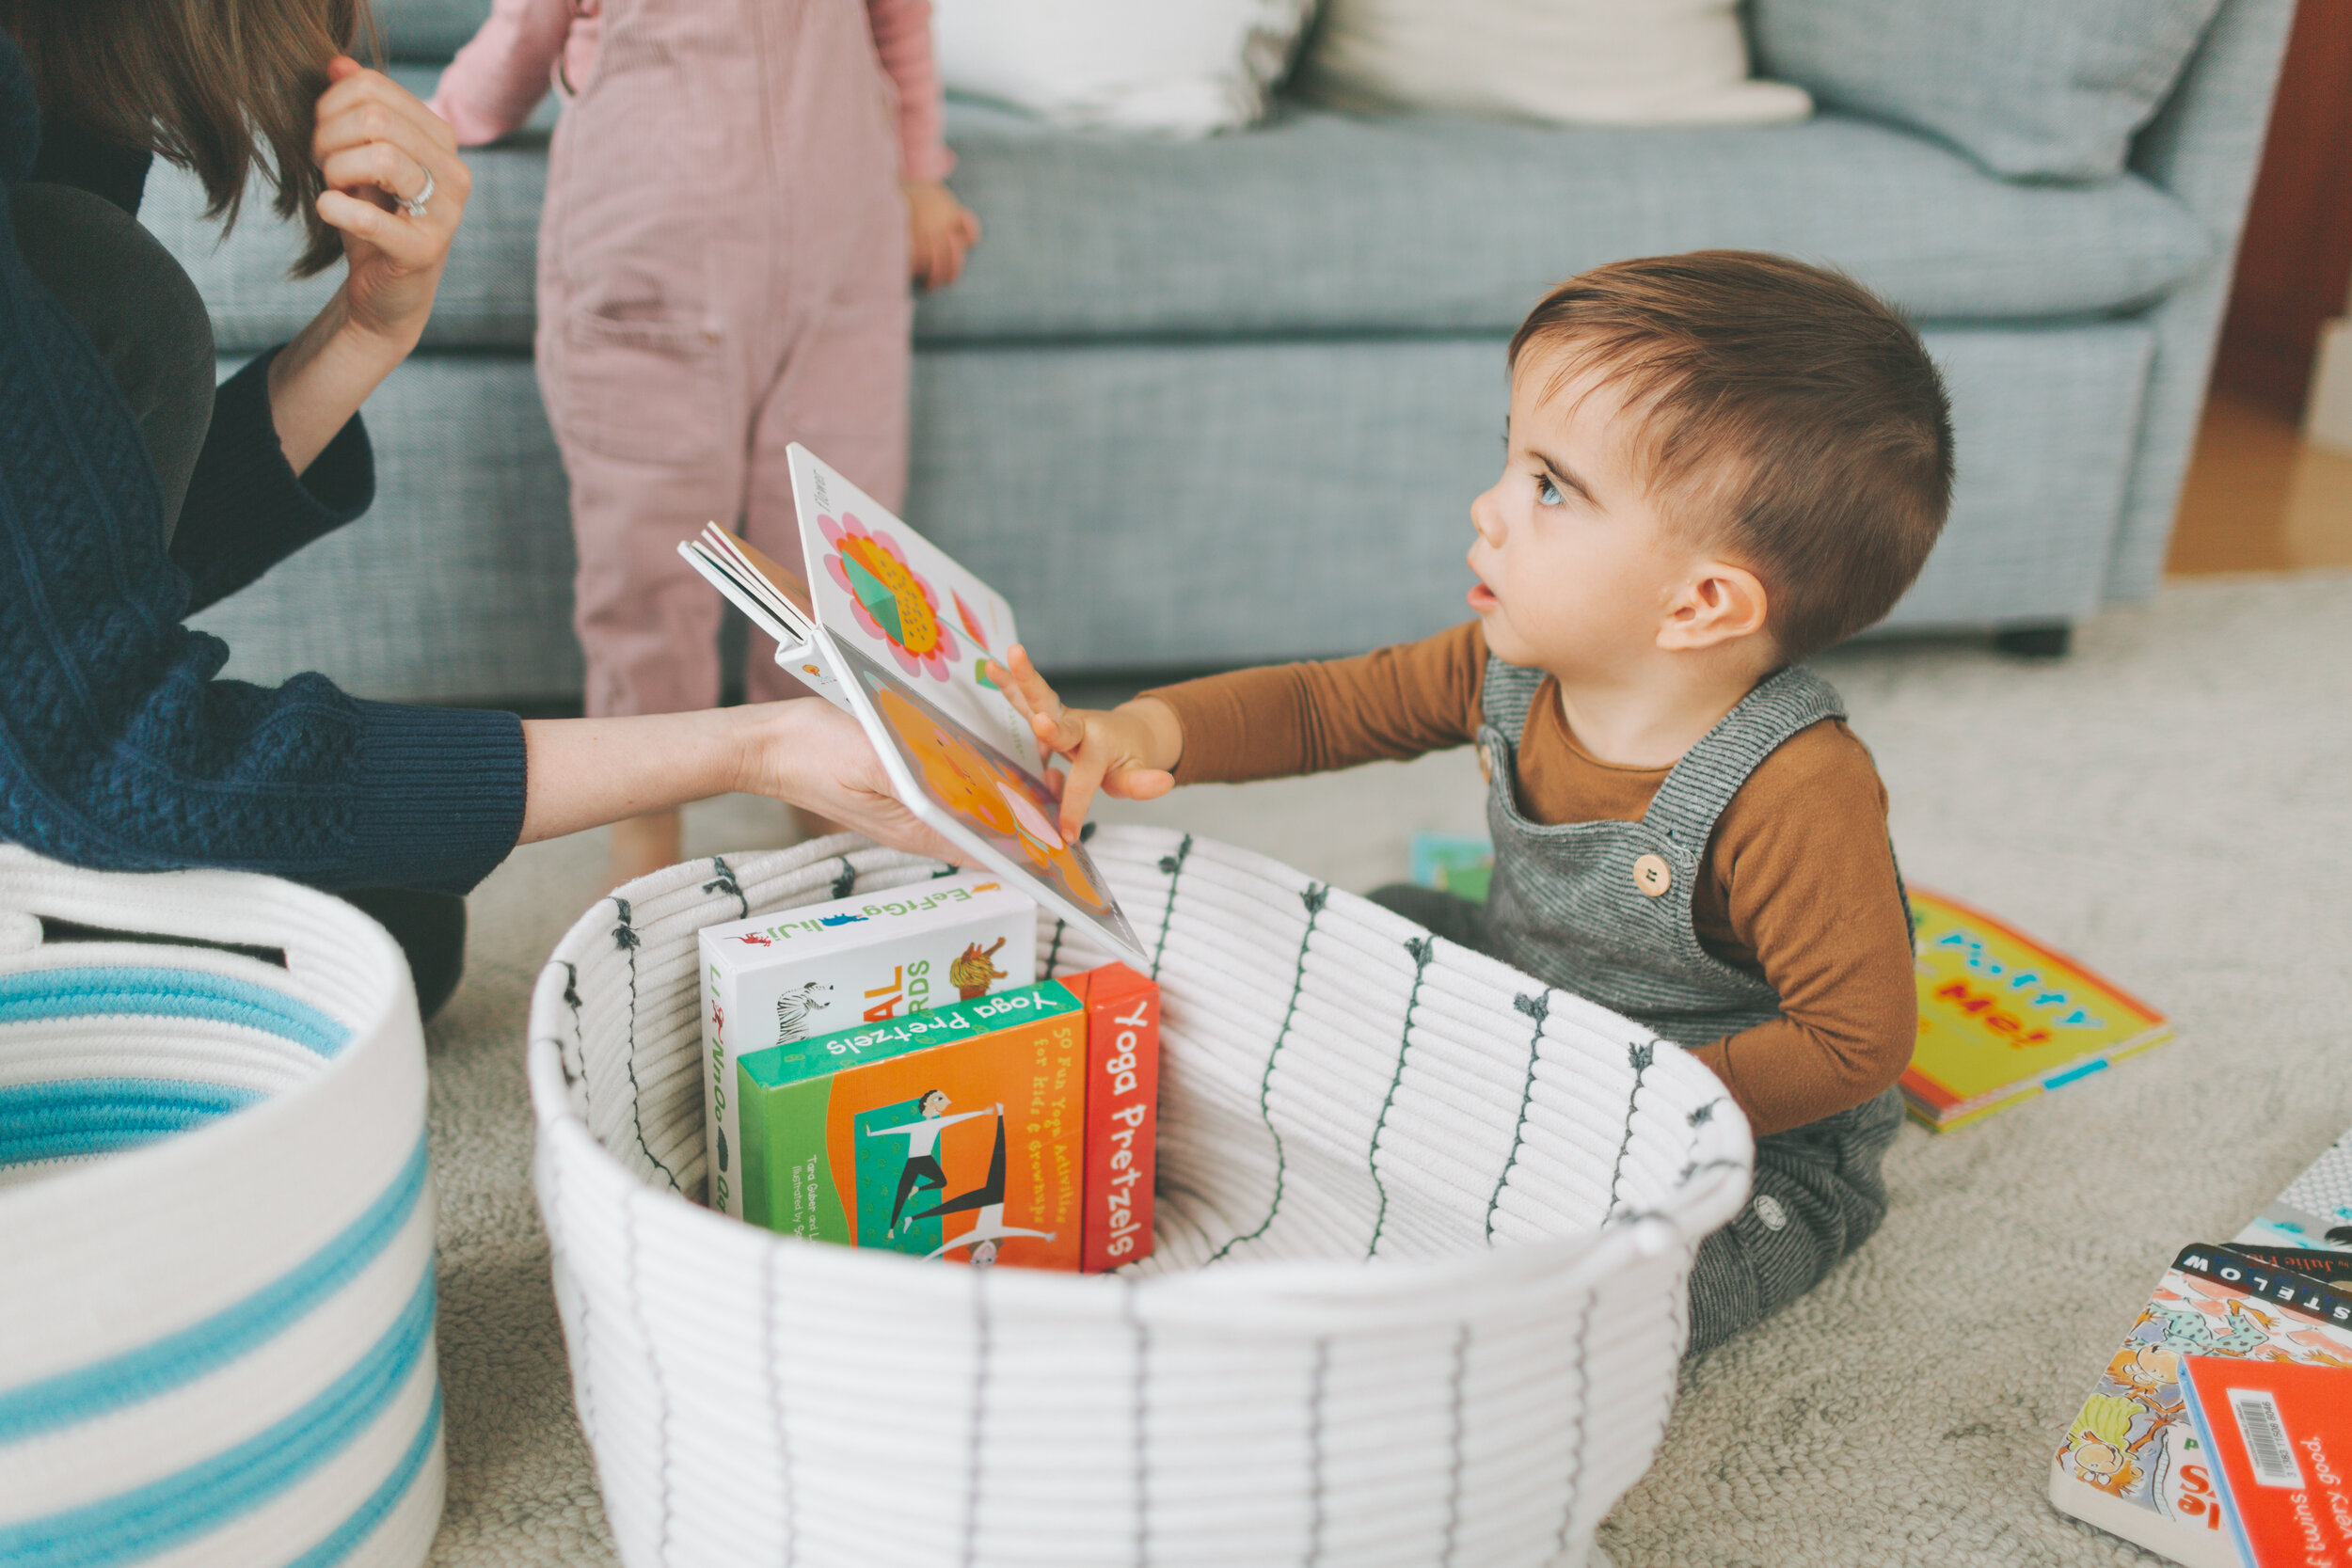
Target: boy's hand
{"x": 1127, "y": 753}
{"x": 940, "y": 229}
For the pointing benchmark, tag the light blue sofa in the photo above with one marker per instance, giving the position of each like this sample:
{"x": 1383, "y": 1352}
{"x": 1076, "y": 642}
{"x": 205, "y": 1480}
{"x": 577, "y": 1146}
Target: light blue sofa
{"x": 1203, "y": 404}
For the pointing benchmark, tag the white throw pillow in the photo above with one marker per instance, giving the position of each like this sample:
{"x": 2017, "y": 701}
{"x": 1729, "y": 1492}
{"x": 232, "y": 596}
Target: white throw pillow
{"x": 1588, "y": 62}
{"x": 1180, "y": 67}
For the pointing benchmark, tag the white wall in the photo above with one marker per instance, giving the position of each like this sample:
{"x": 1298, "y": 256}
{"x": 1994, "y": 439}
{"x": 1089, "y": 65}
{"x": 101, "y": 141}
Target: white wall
{"x": 2327, "y": 416}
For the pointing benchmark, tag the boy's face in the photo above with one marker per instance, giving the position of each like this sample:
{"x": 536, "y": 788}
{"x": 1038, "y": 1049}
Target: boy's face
{"x": 1577, "y": 568}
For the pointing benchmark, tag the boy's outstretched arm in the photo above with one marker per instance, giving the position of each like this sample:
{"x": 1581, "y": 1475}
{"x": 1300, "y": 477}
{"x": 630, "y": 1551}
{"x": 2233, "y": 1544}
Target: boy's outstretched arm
{"x": 1130, "y": 752}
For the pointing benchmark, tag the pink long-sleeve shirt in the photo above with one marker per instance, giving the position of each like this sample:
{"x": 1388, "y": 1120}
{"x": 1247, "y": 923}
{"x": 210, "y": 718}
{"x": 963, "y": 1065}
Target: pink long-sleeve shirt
{"x": 500, "y": 76}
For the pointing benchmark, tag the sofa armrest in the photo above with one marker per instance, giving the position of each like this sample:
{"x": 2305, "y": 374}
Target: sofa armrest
{"x": 2205, "y": 142}
{"x": 2204, "y": 146}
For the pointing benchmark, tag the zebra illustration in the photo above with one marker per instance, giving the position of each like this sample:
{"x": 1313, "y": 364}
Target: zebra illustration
{"x": 794, "y": 1007}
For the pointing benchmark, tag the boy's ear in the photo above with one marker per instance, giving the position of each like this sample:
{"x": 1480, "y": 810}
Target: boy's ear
{"x": 1719, "y": 603}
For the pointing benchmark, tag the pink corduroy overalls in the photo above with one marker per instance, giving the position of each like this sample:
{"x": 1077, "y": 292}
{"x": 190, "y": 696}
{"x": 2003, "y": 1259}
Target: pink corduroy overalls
{"x": 723, "y": 270}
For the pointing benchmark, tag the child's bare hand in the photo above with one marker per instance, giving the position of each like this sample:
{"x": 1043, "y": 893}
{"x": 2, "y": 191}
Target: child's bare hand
{"x": 940, "y": 229}
{"x": 1126, "y": 752}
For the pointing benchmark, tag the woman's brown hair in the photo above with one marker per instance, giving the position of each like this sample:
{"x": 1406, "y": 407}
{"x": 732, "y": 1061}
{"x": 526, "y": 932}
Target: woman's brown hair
{"x": 223, "y": 87}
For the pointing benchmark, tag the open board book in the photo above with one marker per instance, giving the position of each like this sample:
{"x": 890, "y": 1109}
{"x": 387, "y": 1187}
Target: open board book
{"x": 888, "y": 628}
{"x": 2003, "y": 1017}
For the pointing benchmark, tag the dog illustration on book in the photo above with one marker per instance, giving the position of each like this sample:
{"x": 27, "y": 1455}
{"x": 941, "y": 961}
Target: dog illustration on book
{"x": 974, "y": 969}
{"x": 989, "y": 1228}
{"x": 922, "y": 1136}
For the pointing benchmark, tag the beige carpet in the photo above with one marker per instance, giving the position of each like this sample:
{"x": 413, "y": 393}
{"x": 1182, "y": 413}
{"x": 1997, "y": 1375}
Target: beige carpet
{"x": 2173, "y": 803}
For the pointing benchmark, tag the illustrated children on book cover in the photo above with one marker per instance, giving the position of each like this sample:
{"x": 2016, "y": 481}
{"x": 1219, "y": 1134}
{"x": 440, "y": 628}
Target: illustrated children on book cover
{"x": 2131, "y": 1462}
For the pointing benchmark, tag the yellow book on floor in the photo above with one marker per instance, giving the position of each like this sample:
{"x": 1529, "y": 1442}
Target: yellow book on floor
{"x": 2003, "y": 1018}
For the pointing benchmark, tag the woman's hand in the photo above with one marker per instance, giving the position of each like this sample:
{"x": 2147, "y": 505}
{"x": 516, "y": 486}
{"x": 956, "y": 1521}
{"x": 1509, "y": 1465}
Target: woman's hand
{"x": 940, "y": 229}
{"x": 396, "y": 190}
{"x": 1128, "y": 752}
{"x": 586, "y": 772}
{"x": 811, "y": 753}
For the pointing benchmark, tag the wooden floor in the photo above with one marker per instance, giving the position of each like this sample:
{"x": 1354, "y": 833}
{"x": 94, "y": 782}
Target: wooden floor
{"x": 2259, "y": 498}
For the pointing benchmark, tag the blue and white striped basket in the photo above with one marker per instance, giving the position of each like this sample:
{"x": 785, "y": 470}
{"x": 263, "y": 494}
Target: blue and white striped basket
{"x": 1424, "y": 1229}
{"x": 216, "y": 1298}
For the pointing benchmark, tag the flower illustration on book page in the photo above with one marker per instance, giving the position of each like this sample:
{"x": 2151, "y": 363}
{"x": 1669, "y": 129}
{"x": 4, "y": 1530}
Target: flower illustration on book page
{"x": 894, "y": 604}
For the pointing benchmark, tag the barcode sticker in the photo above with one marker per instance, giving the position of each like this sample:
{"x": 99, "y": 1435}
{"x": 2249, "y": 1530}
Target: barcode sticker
{"x": 2265, "y": 1436}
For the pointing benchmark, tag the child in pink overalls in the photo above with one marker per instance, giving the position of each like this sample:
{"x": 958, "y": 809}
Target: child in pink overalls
{"x": 738, "y": 192}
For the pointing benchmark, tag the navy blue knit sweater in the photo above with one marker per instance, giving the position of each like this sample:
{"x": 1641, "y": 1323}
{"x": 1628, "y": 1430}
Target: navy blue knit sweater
{"x": 118, "y": 748}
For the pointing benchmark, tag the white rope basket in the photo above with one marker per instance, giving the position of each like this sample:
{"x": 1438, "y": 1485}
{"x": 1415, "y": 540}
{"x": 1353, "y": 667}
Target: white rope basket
{"x": 216, "y": 1322}
{"x": 1417, "y": 1297}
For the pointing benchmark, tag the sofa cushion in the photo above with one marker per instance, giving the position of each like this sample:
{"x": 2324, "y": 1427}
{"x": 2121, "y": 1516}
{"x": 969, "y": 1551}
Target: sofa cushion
{"x": 1135, "y": 65}
{"x": 428, "y": 32}
{"x": 1330, "y": 223}
{"x": 1323, "y": 224}
{"x": 2034, "y": 88}
{"x": 1568, "y": 62}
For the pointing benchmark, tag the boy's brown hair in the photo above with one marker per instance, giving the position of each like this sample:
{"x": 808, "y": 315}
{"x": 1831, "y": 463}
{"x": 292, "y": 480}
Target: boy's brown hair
{"x": 1783, "y": 410}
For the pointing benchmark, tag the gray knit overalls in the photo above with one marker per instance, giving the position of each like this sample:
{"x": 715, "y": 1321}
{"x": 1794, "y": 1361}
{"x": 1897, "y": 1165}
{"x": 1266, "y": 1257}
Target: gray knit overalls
{"x": 1570, "y": 905}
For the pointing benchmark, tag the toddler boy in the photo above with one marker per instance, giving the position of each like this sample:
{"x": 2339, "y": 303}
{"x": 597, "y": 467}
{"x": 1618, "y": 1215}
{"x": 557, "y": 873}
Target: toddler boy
{"x": 1717, "y": 464}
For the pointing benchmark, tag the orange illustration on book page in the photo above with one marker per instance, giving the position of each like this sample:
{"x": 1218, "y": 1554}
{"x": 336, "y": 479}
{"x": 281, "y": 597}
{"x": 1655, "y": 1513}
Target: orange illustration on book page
{"x": 894, "y": 604}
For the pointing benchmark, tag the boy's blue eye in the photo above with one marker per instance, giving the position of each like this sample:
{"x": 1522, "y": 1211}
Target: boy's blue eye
{"x": 1546, "y": 493}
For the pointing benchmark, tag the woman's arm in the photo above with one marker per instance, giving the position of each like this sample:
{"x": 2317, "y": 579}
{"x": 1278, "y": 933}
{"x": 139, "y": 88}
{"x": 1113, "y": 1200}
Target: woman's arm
{"x": 585, "y": 773}
{"x": 245, "y": 510}
{"x": 379, "y": 149}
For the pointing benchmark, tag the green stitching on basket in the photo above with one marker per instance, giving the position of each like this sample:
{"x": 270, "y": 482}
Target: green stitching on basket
{"x": 1538, "y": 1008}
{"x": 1314, "y": 1453}
{"x": 632, "y": 1264}
{"x": 1576, "y": 1446}
{"x": 977, "y": 1443}
{"x": 579, "y": 1036}
{"x": 1143, "y": 1422}
{"x": 1453, "y": 1446}
{"x": 1314, "y": 897}
{"x": 1641, "y": 1056}
{"x": 625, "y": 938}
{"x": 1172, "y": 867}
{"x": 771, "y": 1354}
{"x": 724, "y": 882}
{"x": 1421, "y": 949}
{"x": 1692, "y": 1166}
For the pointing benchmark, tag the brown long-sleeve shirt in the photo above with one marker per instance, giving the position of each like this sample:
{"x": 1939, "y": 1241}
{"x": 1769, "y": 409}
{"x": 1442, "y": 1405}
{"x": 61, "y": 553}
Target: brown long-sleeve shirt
{"x": 1798, "y": 885}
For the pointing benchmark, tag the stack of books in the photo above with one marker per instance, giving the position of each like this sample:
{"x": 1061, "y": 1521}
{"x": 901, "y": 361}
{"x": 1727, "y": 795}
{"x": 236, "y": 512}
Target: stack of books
{"x": 965, "y": 1113}
{"x": 2220, "y": 1433}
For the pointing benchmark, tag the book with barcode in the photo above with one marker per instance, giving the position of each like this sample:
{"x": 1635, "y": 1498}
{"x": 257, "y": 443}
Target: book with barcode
{"x": 2280, "y": 1437}
{"x": 2133, "y": 1461}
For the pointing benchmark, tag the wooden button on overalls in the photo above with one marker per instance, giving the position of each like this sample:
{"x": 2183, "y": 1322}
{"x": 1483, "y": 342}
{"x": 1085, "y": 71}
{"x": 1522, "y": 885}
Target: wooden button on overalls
{"x": 1652, "y": 875}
